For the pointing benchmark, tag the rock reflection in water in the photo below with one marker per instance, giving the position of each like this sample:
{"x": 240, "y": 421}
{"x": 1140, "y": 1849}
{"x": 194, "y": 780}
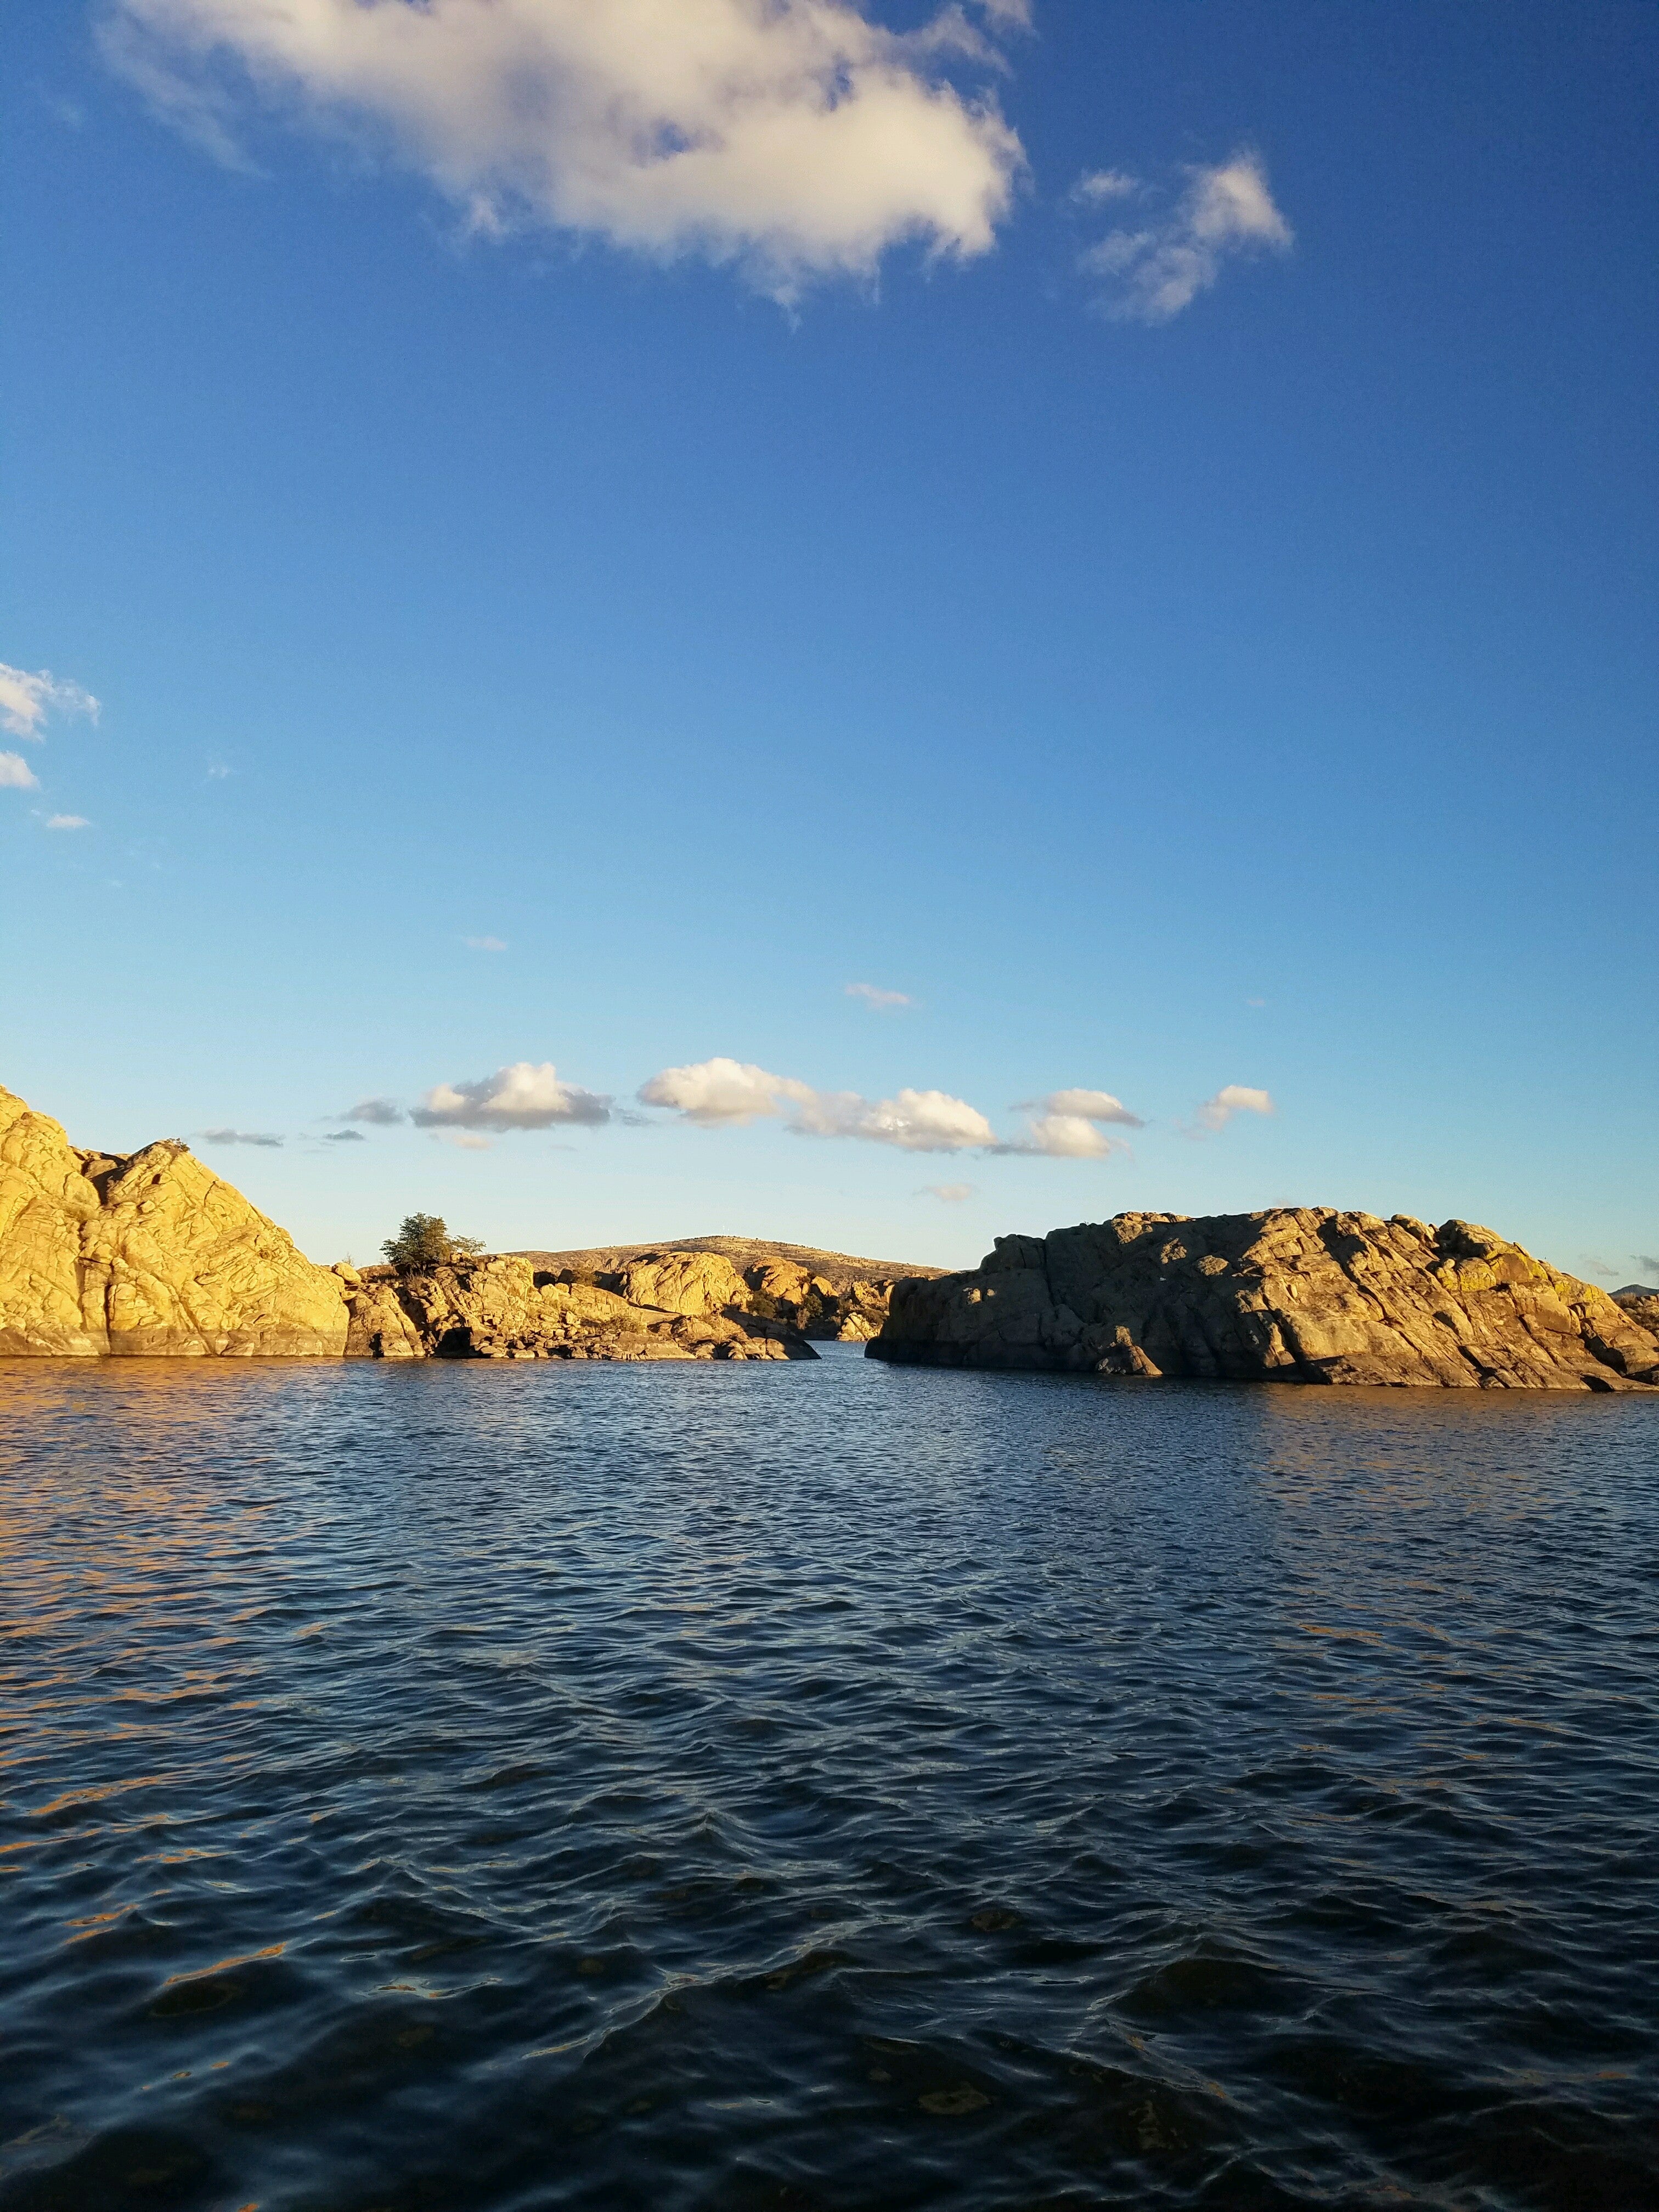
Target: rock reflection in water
{"x": 484, "y": 1787}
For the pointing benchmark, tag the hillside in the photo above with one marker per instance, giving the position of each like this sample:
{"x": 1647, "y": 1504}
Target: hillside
{"x": 840, "y": 1270}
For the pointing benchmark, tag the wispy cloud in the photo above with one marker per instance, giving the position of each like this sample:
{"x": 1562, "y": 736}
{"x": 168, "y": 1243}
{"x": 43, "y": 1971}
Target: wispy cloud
{"x": 797, "y": 138}
{"x": 883, "y": 1001}
{"x": 345, "y": 1137}
{"x": 1232, "y": 1098}
{"x": 16, "y": 775}
{"x": 68, "y": 822}
{"x": 524, "y": 1095}
{"x": 379, "y": 1112}
{"x": 485, "y": 944}
{"x": 948, "y": 1193}
{"x": 463, "y": 1140}
{"x": 1647, "y": 1262}
{"x": 28, "y": 700}
{"x": 1150, "y": 273}
{"x": 241, "y": 1137}
{"x": 1096, "y": 186}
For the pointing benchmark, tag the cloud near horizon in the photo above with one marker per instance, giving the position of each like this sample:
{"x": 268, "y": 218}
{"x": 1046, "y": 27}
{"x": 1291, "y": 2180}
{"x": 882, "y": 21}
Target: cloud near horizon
{"x": 523, "y": 1096}
{"x": 1232, "y": 1098}
{"x": 379, "y": 1112}
{"x": 948, "y": 1193}
{"x": 729, "y": 1093}
{"x": 724, "y": 1093}
{"x": 1149, "y": 274}
{"x": 241, "y": 1137}
{"x": 1067, "y": 1125}
{"x": 797, "y": 138}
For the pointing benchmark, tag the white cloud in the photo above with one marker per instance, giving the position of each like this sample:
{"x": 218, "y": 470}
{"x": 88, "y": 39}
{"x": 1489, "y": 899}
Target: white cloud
{"x": 1065, "y": 1125}
{"x": 948, "y": 1193}
{"x": 914, "y": 1121}
{"x": 883, "y": 1001}
{"x": 16, "y": 775}
{"x": 26, "y": 700}
{"x": 717, "y": 1093}
{"x": 722, "y": 1092}
{"x": 485, "y": 944}
{"x": 68, "y": 822}
{"x": 795, "y": 137}
{"x": 524, "y": 1095}
{"x": 1233, "y": 1098}
{"x": 1152, "y": 273}
{"x": 1065, "y": 1137}
{"x": 1093, "y": 1106}
{"x": 241, "y": 1137}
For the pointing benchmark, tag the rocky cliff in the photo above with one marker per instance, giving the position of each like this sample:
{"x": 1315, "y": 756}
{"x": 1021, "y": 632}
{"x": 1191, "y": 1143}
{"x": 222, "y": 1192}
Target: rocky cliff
{"x": 144, "y": 1253}
{"x": 1295, "y": 1295}
{"x": 150, "y": 1255}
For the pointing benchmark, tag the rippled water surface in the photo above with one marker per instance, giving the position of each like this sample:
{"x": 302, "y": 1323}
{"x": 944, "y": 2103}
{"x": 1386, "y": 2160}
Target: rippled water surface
{"x": 508, "y": 1786}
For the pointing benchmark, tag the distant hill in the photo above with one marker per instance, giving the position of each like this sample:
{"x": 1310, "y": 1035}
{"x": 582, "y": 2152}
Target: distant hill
{"x": 839, "y": 1269}
{"x": 1638, "y": 1291}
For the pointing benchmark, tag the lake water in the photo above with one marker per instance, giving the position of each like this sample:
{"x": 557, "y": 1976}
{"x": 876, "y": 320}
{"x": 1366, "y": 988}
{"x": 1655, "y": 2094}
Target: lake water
{"x": 443, "y": 1787}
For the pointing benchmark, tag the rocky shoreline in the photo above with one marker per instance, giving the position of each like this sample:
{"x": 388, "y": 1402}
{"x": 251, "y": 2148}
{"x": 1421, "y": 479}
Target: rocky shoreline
{"x": 149, "y": 1255}
{"x": 1304, "y": 1294}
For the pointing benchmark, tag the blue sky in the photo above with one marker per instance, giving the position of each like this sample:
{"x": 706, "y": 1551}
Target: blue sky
{"x": 1190, "y": 634}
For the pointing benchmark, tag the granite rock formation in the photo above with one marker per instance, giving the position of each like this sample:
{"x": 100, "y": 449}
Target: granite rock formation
{"x": 150, "y": 1255}
{"x": 1295, "y": 1295}
{"x": 822, "y": 1296}
{"x": 146, "y": 1254}
{"x": 679, "y": 1306}
{"x": 1641, "y": 1303}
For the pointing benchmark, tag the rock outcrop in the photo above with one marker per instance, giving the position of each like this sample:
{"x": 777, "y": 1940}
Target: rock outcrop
{"x": 678, "y": 1306}
{"x": 144, "y": 1255}
{"x": 149, "y": 1255}
{"x": 822, "y": 1296}
{"x": 1295, "y": 1295}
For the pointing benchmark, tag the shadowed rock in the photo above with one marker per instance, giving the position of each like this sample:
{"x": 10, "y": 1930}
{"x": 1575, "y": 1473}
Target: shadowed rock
{"x": 1294, "y": 1295}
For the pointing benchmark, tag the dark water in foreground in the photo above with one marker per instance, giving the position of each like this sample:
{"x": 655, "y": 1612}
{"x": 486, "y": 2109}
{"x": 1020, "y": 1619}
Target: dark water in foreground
{"x": 517, "y": 1786}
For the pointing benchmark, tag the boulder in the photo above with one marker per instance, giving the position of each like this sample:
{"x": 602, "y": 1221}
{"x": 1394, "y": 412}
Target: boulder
{"x": 1294, "y": 1294}
{"x": 682, "y": 1282}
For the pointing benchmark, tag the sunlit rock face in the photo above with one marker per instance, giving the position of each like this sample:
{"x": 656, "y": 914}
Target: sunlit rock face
{"x": 45, "y": 1202}
{"x": 1301, "y": 1294}
{"x": 146, "y": 1255}
{"x": 678, "y": 1305}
